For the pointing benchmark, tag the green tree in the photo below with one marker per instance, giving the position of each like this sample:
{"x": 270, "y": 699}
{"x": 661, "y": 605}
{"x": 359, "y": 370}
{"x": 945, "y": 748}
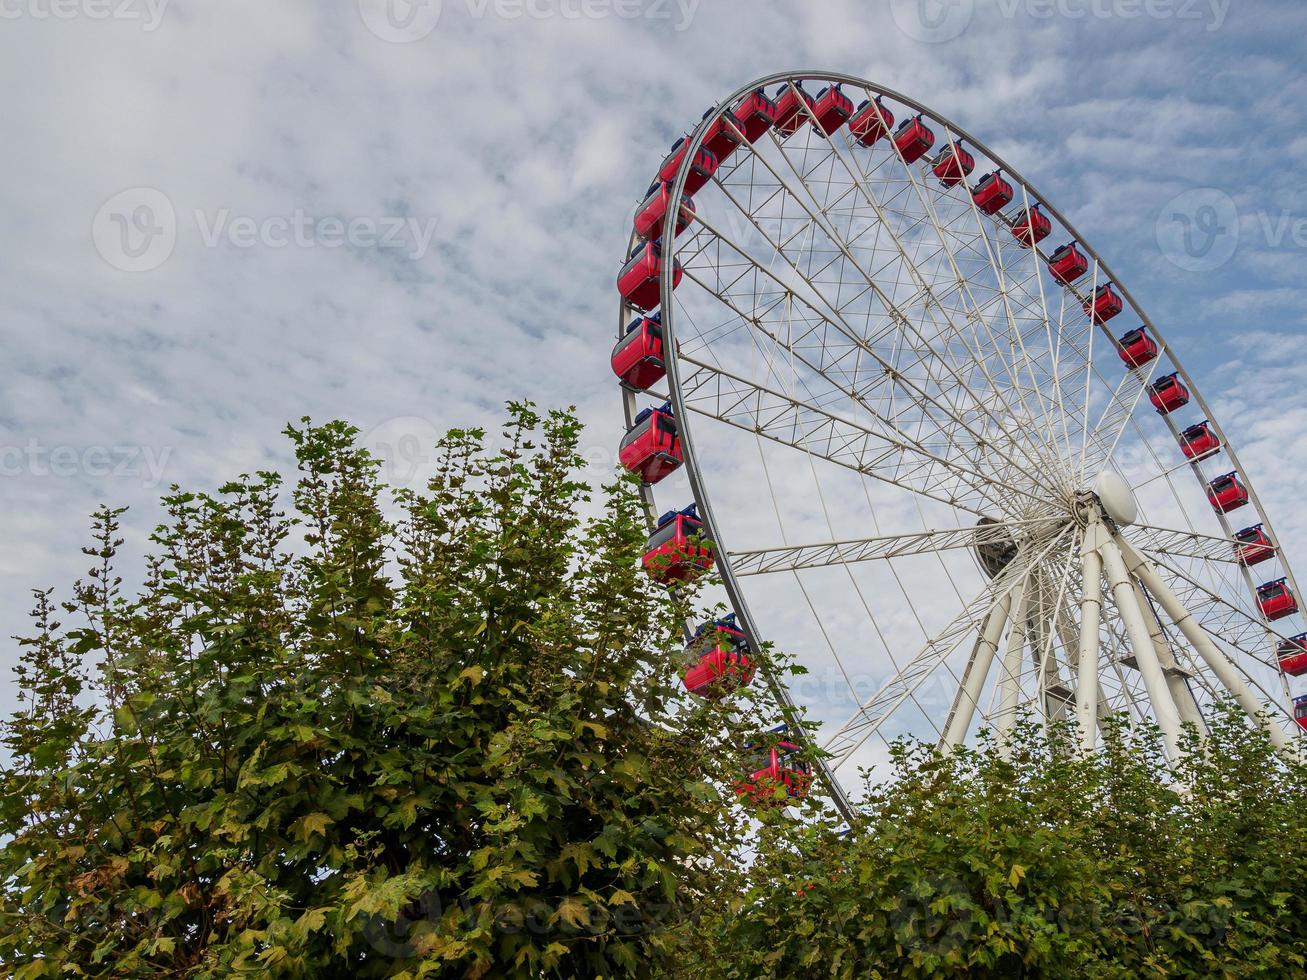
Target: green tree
{"x": 321, "y": 741}
{"x": 1044, "y": 864}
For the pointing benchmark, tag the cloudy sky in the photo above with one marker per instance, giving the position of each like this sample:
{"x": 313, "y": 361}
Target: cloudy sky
{"x": 221, "y": 217}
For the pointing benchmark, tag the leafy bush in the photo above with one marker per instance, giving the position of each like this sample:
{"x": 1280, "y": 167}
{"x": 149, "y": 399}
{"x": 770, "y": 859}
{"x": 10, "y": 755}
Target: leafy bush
{"x": 1047, "y": 865}
{"x": 331, "y": 743}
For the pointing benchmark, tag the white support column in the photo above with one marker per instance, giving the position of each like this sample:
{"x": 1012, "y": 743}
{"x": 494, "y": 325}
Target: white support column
{"x": 1141, "y": 645}
{"x": 1226, "y": 672}
{"x": 1091, "y": 613}
{"x": 1009, "y": 678}
{"x": 1069, "y": 643}
{"x": 973, "y": 680}
{"x": 1175, "y": 678}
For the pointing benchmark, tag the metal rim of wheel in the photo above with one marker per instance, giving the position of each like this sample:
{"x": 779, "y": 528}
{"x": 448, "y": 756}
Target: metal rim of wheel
{"x": 847, "y": 312}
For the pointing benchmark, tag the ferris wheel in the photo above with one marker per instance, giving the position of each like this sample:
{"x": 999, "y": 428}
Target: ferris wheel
{"x": 933, "y": 446}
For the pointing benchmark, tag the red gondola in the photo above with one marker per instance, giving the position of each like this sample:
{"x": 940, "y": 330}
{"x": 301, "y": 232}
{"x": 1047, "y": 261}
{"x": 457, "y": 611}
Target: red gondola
{"x": 1031, "y": 226}
{"x": 651, "y": 449}
{"x": 1276, "y": 599}
{"x": 756, "y": 113}
{"x": 832, "y": 109}
{"x": 1104, "y": 304}
{"x": 638, "y": 280}
{"x": 953, "y": 164}
{"x": 676, "y": 551}
{"x": 773, "y": 769}
{"x": 649, "y": 216}
{"x": 721, "y": 140}
{"x": 1226, "y": 493}
{"x": 638, "y": 356}
{"x": 790, "y": 111}
{"x": 1199, "y": 441}
{"x": 1292, "y": 654}
{"x": 913, "y": 138}
{"x": 702, "y": 167}
{"x": 1136, "y": 348}
{"x": 992, "y": 194}
{"x": 871, "y": 122}
{"x": 1300, "y": 711}
{"x": 1253, "y": 545}
{"x": 717, "y": 659}
{"x": 1067, "y": 263}
{"x": 1167, "y": 394}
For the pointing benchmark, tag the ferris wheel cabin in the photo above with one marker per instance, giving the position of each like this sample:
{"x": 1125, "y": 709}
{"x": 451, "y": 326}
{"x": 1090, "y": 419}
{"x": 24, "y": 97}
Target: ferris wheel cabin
{"x": 1136, "y": 348}
{"x": 721, "y": 139}
{"x": 777, "y": 774}
{"x": 1167, "y": 394}
{"x": 1031, "y": 226}
{"x": 677, "y": 551}
{"x": 871, "y": 122}
{"x": 1292, "y": 654}
{"x": 756, "y": 114}
{"x": 913, "y": 139}
{"x": 1226, "y": 493}
{"x": 1104, "y": 304}
{"x": 832, "y": 109}
{"x": 638, "y": 357}
{"x": 1276, "y": 599}
{"x": 651, "y": 449}
{"x": 702, "y": 167}
{"x": 653, "y": 209}
{"x": 717, "y": 659}
{"x": 992, "y": 194}
{"x": 1067, "y": 263}
{"x": 1300, "y": 711}
{"x": 953, "y": 164}
{"x": 790, "y": 112}
{"x": 1199, "y": 441}
{"x": 1253, "y": 545}
{"x": 638, "y": 282}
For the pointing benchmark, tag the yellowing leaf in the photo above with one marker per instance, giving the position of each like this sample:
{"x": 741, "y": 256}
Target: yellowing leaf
{"x": 473, "y": 674}
{"x": 620, "y": 897}
{"x": 310, "y": 824}
{"x": 1017, "y": 874}
{"x": 574, "y": 912}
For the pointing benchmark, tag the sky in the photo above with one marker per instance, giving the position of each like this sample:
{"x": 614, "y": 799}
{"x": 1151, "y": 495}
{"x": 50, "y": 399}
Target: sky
{"x": 223, "y": 217}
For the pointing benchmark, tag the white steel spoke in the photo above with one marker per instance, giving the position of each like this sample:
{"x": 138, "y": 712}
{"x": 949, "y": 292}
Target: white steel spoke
{"x": 796, "y": 557}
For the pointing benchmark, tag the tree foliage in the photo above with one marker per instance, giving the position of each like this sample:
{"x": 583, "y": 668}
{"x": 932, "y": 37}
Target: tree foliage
{"x": 326, "y": 742}
{"x": 339, "y": 732}
{"x": 1044, "y": 864}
